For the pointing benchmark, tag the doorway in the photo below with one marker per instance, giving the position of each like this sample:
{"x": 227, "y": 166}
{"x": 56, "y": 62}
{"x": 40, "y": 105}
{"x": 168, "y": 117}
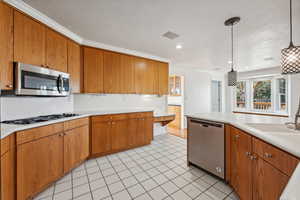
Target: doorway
{"x": 216, "y": 96}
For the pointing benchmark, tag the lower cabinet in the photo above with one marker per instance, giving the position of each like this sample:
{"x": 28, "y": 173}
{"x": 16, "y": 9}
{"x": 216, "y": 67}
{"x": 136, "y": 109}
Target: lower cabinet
{"x": 39, "y": 163}
{"x": 268, "y": 182}
{"x": 258, "y": 171}
{"x": 112, "y": 133}
{"x": 241, "y": 174}
{"x": 45, "y": 154}
{"x": 8, "y": 175}
{"x": 76, "y": 147}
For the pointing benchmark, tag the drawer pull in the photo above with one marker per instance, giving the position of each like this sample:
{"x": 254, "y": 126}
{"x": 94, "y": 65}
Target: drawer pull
{"x": 248, "y": 154}
{"x": 9, "y": 86}
{"x": 254, "y": 157}
{"x": 268, "y": 155}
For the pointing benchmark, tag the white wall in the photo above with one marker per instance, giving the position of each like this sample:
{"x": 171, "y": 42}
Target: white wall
{"x": 197, "y": 88}
{"x": 294, "y": 87}
{"x": 23, "y": 107}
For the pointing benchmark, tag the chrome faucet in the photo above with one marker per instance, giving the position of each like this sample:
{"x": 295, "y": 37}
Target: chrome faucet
{"x": 297, "y": 123}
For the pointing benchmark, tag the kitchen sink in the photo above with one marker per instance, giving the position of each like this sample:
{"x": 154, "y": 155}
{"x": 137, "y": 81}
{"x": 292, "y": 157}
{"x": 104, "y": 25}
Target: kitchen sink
{"x": 275, "y": 128}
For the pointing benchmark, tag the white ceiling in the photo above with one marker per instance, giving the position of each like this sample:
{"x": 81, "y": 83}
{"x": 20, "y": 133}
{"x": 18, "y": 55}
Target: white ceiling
{"x": 139, "y": 24}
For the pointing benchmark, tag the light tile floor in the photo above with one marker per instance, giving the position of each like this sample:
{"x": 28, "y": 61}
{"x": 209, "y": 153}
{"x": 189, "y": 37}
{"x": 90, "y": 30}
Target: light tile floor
{"x": 155, "y": 172}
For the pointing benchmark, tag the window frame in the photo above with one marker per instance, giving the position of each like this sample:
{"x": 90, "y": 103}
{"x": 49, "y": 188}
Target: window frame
{"x": 275, "y": 109}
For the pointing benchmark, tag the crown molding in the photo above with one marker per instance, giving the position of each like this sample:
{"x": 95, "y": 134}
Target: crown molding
{"x": 22, "y": 6}
{"x": 122, "y": 50}
{"x": 34, "y": 13}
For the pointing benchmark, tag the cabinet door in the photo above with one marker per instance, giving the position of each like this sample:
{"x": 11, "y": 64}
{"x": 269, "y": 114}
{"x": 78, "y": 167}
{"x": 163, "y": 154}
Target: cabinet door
{"x": 56, "y": 51}
{"x": 76, "y": 147}
{"x": 74, "y": 66}
{"x": 29, "y": 40}
{"x": 133, "y": 125}
{"x": 6, "y": 47}
{"x": 112, "y": 73}
{"x": 268, "y": 182}
{"x": 163, "y": 78}
{"x": 119, "y": 134}
{"x": 145, "y": 76}
{"x": 93, "y": 70}
{"x": 101, "y": 138}
{"x": 40, "y": 162}
{"x": 148, "y": 124}
{"x": 241, "y": 164}
{"x": 8, "y": 175}
{"x": 127, "y": 72}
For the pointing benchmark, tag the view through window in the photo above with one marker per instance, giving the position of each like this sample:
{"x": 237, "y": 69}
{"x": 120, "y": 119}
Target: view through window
{"x": 265, "y": 95}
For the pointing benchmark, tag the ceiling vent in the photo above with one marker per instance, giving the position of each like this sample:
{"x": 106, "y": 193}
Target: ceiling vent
{"x": 170, "y": 35}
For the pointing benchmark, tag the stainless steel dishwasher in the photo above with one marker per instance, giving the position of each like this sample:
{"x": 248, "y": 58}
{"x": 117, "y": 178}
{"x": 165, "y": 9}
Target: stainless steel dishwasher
{"x": 206, "y": 145}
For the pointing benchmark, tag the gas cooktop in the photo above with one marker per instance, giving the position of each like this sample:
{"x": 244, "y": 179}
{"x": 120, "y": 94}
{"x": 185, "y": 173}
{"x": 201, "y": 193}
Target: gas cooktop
{"x": 38, "y": 119}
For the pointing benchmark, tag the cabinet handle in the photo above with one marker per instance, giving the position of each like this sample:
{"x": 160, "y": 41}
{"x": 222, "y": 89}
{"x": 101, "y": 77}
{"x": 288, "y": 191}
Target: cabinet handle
{"x": 9, "y": 86}
{"x": 254, "y": 157}
{"x": 268, "y": 155}
{"x": 248, "y": 154}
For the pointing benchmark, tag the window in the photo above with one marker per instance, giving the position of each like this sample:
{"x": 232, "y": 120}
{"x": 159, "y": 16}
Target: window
{"x": 263, "y": 95}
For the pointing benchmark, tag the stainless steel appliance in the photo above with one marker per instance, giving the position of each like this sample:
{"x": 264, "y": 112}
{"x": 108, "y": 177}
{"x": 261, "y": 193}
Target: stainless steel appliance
{"x": 206, "y": 145}
{"x": 38, "y": 81}
{"x": 38, "y": 119}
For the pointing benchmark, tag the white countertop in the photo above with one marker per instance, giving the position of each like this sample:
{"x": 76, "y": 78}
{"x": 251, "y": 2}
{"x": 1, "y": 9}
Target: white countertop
{"x": 7, "y": 129}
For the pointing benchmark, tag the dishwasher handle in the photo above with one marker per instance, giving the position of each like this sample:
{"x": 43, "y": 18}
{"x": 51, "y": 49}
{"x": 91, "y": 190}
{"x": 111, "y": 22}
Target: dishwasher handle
{"x": 206, "y": 124}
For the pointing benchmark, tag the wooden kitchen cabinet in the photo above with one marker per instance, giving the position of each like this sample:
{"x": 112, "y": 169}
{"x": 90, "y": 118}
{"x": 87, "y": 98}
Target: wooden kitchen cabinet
{"x": 241, "y": 164}
{"x": 93, "y": 70}
{"x": 127, "y": 75}
{"x": 74, "y": 66}
{"x": 119, "y": 134}
{"x": 39, "y": 163}
{"x": 112, "y": 72}
{"x": 100, "y": 135}
{"x": 163, "y": 78}
{"x": 29, "y": 40}
{"x": 268, "y": 182}
{"x": 7, "y": 166}
{"x": 76, "y": 147}
{"x": 145, "y": 76}
{"x": 56, "y": 51}
{"x": 6, "y": 47}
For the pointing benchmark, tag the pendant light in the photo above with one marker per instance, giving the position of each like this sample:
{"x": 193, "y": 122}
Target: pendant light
{"x": 290, "y": 57}
{"x": 232, "y": 75}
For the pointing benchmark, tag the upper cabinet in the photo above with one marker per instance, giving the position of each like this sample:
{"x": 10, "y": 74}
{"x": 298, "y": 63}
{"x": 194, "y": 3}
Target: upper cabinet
{"x": 56, "y": 51}
{"x": 29, "y": 40}
{"x": 163, "y": 78}
{"x": 74, "y": 66}
{"x": 112, "y": 71}
{"x": 6, "y": 47}
{"x": 127, "y": 75}
{"x": 93, "y": 70}
{"x": 145, "y": 76}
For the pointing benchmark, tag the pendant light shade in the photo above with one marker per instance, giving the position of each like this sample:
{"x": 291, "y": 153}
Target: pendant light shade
{"x": 232, "y": 75}
{"x": 290, "y": 57}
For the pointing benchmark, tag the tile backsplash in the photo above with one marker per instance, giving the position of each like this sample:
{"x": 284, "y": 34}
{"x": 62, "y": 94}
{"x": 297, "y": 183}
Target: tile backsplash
{"x": 23, "y": 107}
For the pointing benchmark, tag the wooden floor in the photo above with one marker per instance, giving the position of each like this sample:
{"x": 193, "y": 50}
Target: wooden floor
{"x": 178, "y": 132}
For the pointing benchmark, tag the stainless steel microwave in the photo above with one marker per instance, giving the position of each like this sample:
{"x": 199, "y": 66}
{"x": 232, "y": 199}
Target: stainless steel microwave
{"x": 33, "y": 80}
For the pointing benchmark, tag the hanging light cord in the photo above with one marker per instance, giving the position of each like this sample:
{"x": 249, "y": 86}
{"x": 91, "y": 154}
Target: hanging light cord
{"x": 232, "y": 47}
{"x": 291, "y": 24}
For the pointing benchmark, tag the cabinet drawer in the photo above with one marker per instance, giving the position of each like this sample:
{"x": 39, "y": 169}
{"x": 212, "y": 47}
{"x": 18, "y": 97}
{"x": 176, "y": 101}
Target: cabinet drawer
{"x": 101, "y": 118}
{"x": 75, "y": 123}
{"x": 35, "y": 133}
{"x": 278, "y": 158}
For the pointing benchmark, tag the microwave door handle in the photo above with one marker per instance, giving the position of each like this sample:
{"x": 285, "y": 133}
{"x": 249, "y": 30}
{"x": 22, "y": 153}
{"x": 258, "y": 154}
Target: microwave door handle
{"x": 59, "y": 83}
{"x": 62, "y": 84}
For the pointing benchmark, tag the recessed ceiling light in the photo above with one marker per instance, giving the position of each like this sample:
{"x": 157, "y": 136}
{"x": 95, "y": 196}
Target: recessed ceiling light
{"x": 170, "y": 35}
{"x": 178, "y": 46}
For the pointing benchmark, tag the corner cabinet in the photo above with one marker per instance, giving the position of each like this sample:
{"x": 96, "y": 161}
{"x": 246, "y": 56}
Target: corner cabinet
{"x": 6, "y": 47}
{"x": 256, "y": 170}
